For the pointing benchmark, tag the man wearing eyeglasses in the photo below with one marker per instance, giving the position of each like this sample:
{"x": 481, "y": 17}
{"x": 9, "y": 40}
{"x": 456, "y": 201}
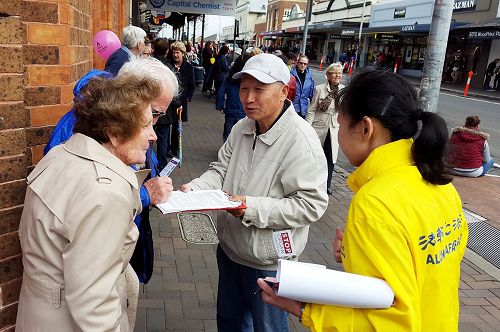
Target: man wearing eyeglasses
{"x": 305, "y": 86}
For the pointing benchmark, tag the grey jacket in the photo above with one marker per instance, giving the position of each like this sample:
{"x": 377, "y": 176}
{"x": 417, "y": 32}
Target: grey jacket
{"x": 77, "y": 234}
{"x": 283, "y": 175}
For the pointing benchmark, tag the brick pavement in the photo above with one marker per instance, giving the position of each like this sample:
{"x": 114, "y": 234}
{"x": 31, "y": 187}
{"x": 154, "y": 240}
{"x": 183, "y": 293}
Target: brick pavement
{"x": 181, "y": 295}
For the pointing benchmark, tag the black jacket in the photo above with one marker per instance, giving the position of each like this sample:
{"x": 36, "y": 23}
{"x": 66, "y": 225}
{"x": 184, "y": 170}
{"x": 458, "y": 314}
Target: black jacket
{"x": 185, "y": 76}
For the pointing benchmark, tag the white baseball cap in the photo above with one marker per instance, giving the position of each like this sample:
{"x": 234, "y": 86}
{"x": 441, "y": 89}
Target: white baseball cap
{"x": 266, "y": 68}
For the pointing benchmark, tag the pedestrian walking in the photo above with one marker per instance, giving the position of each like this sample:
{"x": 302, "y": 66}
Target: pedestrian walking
{"x": 305, "y": 86}
{"x": 322, "y": 115}
{"x": 490, "y": 70}
{"x": 207, "y": 61}
{"x": 185, "y": 74}
{"x": 228, "y": 97}
{"x": 221, "y": 68}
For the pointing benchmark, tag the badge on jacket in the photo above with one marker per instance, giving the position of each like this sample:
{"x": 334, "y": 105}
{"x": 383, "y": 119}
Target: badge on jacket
{"x": 283, "y": 243}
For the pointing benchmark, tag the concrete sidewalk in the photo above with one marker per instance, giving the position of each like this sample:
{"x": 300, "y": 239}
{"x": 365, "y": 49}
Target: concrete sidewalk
{"x": 181, "y": 296}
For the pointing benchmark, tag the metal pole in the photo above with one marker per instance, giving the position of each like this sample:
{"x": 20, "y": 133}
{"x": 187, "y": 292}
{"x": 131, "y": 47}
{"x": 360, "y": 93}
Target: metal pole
{"x": 220, "y": 27}
{"x": 306, "y": 23}
{"x": 359, "y": 35}
{"x": 194, "y": 30}
{"x": 436, "y": 52}
{"x": 187, "y": 30}
{"x": 182, "y": 29}
{"x": 202, "y": 30}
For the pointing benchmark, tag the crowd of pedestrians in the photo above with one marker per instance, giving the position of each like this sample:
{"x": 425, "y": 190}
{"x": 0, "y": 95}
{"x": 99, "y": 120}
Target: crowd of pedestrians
{"x": 87, "y": 242}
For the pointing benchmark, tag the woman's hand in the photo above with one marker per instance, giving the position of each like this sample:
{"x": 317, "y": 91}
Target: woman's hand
{"x": 238, "y": 212}
{"x": 337, "y": 245}
{"x": 269, "y": 296}
{"x": 185, "y": 188}
{"x": 159, "y": 189}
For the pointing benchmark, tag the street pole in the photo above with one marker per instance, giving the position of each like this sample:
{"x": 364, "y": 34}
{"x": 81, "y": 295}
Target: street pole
{"x": 202, "y": 32}
{"x": 359, "y": 35}
{"x": 436, "y": 52}
{"x": 194, "y": 30}
{"x": 306, "y": 23}
{"x": 220, "y": 27}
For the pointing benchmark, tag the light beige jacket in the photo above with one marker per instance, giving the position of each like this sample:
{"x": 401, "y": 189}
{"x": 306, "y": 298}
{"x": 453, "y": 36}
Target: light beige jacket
{"x": 77, "y": 235}
{"x": 324, "y": 121}
{"x": 283, "y": 175}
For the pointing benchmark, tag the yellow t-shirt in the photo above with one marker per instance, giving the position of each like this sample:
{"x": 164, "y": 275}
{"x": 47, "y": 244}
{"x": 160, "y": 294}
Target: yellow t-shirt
{"x": 408, "y": 232}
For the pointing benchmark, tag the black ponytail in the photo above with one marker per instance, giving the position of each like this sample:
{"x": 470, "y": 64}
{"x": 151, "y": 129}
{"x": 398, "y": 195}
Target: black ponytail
{"x": 429, "y": 149}
{"x": 392, "y": 100}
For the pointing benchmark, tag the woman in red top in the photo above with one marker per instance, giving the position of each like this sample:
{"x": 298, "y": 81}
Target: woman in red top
{"x": 470, "y": 150}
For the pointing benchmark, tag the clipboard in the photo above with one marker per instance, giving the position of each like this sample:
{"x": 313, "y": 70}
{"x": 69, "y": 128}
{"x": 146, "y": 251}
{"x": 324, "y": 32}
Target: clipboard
{"x": 201, "y": 200}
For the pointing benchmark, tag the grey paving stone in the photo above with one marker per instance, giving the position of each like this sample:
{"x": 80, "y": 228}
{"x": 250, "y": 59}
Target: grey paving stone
{"x": 155, "y": 319}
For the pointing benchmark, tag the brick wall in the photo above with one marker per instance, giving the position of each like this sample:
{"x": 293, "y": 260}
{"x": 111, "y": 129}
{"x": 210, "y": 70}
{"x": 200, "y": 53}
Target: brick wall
{"x": 45, "y": 47}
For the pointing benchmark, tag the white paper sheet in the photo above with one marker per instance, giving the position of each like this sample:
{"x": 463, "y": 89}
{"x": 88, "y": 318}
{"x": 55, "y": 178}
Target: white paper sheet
{"x": 197, "y": 200}
{"x": 313, "y": 283}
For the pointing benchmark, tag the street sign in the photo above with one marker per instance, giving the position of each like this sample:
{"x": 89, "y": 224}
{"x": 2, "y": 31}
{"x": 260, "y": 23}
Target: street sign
{"x": 223, "y": 8}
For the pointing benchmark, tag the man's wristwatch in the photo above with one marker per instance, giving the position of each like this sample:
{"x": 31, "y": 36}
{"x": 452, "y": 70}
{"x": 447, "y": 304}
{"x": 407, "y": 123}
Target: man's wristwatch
{"x": 302, "y": 307}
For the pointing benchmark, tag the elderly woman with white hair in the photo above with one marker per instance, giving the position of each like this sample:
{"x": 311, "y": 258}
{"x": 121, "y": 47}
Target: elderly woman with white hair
{"x": 322, "y": 115}
{"x": 133, "y": 44}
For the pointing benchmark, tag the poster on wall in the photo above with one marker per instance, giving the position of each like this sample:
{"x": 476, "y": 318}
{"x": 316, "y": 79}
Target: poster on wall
{"x": 409, "y": 51}
{"x": 223, "y": 8}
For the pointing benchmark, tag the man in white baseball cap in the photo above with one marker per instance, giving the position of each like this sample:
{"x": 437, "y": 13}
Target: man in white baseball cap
{"x": 274, "y": 163}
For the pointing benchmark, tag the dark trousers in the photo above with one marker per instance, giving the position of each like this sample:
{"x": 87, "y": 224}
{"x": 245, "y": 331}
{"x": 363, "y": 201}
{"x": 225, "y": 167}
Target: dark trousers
{"x": 229, "y": 122}
{"x": 487, "y": 80}
{"x": 208, "y": 80}
{"x": 217, "y": 85}
{"x": 327, "y": 148}
{"x": 163, "y": 133}
{"x": 238, "y": 308}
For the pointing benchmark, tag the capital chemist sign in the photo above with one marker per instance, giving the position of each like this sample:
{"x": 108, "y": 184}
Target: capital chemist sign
{"x": 224, "y": 8}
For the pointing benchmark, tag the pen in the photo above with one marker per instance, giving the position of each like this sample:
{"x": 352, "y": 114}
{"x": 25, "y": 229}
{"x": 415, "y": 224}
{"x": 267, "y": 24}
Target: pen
{"x": 273, "y": 285}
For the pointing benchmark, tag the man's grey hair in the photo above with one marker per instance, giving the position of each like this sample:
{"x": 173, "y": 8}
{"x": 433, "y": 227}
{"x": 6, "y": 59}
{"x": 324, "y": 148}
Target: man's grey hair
{"x": 133, "y": 35}
{"x": 153, "y": 68}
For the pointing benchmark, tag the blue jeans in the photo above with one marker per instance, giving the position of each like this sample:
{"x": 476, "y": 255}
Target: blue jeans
{"x": 238, "y": 309}
{"x": 487, "y": 166}
{"x": 163, "y": 133}
{"x": 229, "y": 122}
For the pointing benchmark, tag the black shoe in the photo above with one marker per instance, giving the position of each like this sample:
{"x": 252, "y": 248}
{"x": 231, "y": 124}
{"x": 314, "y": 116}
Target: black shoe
{"x": 329, "y": 191}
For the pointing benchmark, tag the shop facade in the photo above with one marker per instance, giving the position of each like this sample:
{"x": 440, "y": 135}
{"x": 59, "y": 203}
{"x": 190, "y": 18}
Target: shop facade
{"x": 398, "y": 34}
{"x": 477, "y": 42}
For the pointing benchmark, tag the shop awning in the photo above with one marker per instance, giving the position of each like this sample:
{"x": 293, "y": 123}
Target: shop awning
{"x": 336, "y": 26}
{"x": 494, "y": 24}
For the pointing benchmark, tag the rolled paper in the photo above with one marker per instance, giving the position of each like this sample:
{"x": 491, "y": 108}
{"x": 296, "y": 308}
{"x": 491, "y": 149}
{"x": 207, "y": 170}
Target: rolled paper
{"x": 314, "y": 283}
